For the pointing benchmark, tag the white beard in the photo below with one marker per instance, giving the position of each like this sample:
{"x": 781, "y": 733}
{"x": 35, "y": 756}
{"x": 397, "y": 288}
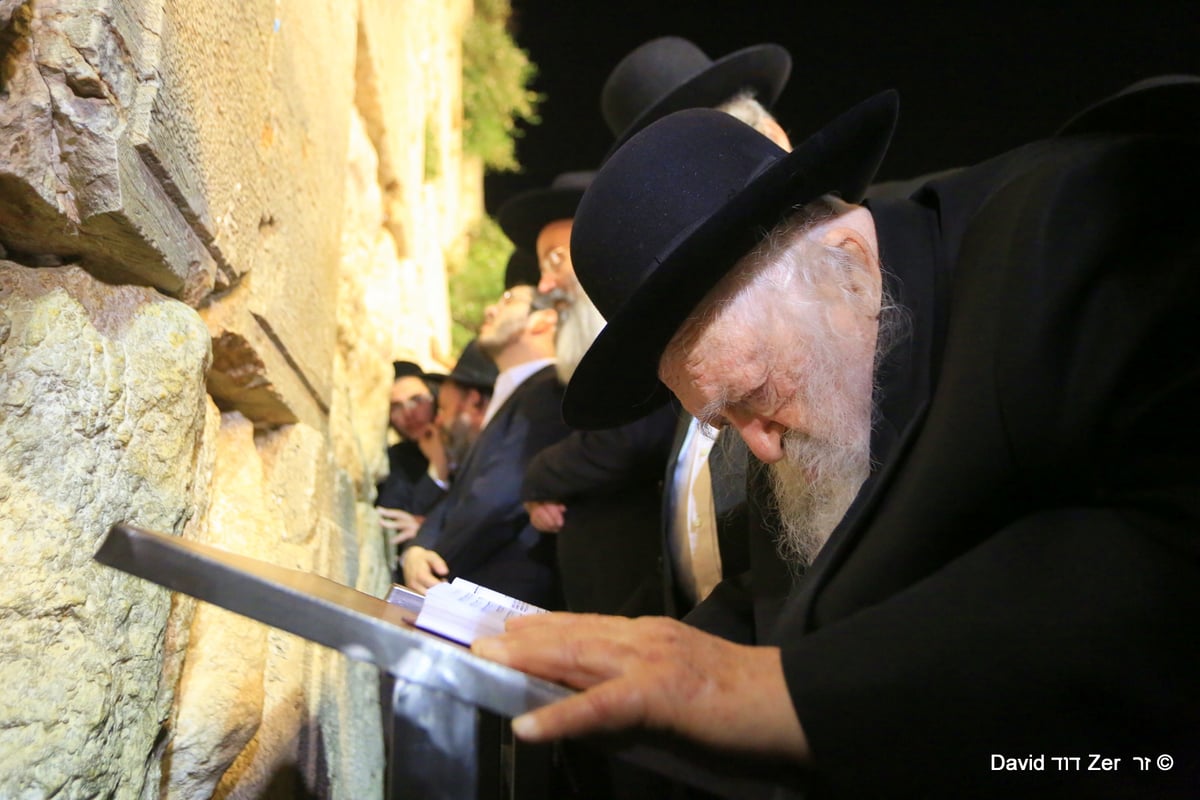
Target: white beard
{"x": 578, "y": 326}
{"x": 822, "y": 470}
{"x": 814, "y": 485}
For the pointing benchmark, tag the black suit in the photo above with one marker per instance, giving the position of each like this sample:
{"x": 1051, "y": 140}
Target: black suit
{"x": 481, "y": 529}
{"x": 1021, "y": 576}
{"x": 408, "y": 486}
{"x": 608, "y": 549}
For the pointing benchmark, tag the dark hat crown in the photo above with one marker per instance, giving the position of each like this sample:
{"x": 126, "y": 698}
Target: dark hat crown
{"x": 664, "y": 182}
{"x": 474, "y": 369}
{"x": 407, "y": 369}
{"x": 645, "y": 76}
{"x": 522, "y": 269}
{"x": 523, "y": 216}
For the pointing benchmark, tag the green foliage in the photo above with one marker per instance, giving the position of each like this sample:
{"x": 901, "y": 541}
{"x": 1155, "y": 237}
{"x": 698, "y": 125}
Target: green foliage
{"x": 477, "y": 280}
{"x": 496, "y": 93}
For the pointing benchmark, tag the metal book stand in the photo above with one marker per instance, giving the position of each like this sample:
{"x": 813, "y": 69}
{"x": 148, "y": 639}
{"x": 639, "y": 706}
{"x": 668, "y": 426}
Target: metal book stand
{"x": 448, "y": 735}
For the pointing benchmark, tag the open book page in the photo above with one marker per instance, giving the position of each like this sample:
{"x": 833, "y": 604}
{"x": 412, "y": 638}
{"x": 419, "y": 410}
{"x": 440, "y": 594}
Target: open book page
{"x": 464, "y": 611}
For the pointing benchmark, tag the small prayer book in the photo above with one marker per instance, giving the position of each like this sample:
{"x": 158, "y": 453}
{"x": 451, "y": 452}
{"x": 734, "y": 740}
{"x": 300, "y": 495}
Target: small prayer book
{"x": 463, "y": 611}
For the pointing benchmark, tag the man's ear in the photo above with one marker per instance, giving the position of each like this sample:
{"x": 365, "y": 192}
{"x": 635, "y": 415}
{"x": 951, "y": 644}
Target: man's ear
{"x": 852, "y": 230}
{"x": 477, "y": 401}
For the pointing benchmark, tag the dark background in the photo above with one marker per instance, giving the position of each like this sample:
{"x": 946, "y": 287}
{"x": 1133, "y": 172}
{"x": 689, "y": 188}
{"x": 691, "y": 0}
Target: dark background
{"x": 975, "y": 78}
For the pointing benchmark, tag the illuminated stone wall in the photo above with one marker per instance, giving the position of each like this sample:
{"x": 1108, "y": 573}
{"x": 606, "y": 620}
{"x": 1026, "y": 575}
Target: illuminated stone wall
{"x": 219, "y": 224}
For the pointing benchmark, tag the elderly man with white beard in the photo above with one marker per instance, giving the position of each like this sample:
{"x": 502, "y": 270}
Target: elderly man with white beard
{"x": 977, "y": 403}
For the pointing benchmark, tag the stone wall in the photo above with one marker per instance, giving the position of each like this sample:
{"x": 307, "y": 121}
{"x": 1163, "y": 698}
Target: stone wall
{"x": 219, "y": 224}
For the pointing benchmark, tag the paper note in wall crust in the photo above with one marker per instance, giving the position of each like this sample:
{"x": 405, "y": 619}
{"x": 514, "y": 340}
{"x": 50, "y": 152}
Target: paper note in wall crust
{"x": 464, "y": 611}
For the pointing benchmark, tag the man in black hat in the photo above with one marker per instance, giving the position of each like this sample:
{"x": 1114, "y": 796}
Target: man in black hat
{"x": 977, "y": 406}
{"x": 409, "y": 491}
{"x": 480, "y": 532}
{"x": 671, "y": 74}
{"x": 708, "y": 528}
{"x": 597, "y": 490}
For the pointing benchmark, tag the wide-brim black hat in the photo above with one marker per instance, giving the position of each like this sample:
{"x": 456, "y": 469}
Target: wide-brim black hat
{"x": 1167, "y": 104}
{"x": 474, "y": 369}
{"x": 411, "y": 369}
{"x": 671, "y": 74}
{"x": 524, "y": 215}
{"x": 672, "y": 212}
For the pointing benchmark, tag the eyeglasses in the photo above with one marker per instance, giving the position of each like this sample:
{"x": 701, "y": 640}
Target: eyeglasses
{"x": 555, "y": 259}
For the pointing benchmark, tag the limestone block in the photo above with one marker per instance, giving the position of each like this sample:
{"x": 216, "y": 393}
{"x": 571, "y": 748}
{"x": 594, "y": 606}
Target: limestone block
{"x": 177, "y": 637}
{"x": 298, "y": 479}
{"x": 281, "y": 759}
{"x": 253, "y": 372}
{"x": 72, "y": 180}
{"x": 348, "y": 720}
{"x": 101, "y": 409}
{"x": 374, "y": 567}
{"x": 294, "y": 291}
{"x": 220, "y": 699}
{"x": 408, "y": 92}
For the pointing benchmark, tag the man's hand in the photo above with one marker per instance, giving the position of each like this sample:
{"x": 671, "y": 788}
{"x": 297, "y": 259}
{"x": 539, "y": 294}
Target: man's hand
{"x": 431, "y": 444}
{"x": 651, "y": 673}
{"x": 423, "y": 569}
{"x": 547, "y": 516}
{"x": 403, "y": 524}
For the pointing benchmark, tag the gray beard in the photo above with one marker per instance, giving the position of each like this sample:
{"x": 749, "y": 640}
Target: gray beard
{"x": 814, "y": 484}
{"x": 818, "y": 478}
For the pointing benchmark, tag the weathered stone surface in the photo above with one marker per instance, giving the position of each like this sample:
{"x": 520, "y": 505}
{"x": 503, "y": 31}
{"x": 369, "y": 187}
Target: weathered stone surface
{"x": 298, "y": 479}
{"x": 408, "y": 91}
{"x": 251, "y": 373}
{"x": 220, "y": 699}
{"x": 190, "y": 146}
{"x": 101, "y": 408}
{"x": 72, "y": 183}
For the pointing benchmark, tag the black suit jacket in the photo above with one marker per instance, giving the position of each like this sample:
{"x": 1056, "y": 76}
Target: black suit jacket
{"x": 610, "y": 480}
{"x": 1021, "y": 575}
{"x": 481, "y": 529}
{"x": 408, "y": 486}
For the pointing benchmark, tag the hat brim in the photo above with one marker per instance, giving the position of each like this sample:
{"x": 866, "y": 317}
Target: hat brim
{"x": 763, "y": 67}
{"x": 617, "y": 380}
{"x": 523, "y": 217}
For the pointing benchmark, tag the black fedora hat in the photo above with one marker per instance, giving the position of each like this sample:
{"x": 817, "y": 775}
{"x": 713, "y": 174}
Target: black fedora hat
{"x": 670, "y": 74}
{"x": 474, "y": 369}
{"x": 523, "y": 216}
{"x": 410, "y": 369}
{"x": 1163, "y": 104}
{"x": 647, "y": 258}
{"x": 522, "y": 269}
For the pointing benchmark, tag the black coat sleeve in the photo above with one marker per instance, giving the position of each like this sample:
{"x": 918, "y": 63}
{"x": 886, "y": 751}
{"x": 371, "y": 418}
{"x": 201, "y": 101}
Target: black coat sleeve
{"x": 597, "y": 462}
{"x": 1029, "y": 583}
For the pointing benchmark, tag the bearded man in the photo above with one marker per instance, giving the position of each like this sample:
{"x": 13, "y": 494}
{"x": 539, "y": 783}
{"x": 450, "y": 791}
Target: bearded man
{"x": 978, "y": 405}
{"x": 480, "y": 531}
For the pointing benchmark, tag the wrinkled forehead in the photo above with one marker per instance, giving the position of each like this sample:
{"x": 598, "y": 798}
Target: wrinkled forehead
{"x": 716, "y": 356}
{"x": 556, "y": 234}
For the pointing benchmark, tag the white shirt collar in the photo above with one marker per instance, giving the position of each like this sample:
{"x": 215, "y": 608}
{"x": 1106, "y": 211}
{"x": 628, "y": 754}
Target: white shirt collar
{"x": 508, "y": 381}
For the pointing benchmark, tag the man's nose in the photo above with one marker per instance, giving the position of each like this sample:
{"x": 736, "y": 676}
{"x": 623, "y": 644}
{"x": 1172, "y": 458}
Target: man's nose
{"x": 763, "y": 435}
{"x": 547, "y": 283}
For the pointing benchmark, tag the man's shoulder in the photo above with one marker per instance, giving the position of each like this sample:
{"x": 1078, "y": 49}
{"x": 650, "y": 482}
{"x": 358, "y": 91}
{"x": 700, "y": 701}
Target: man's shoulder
{"x": 1048, "y": 169}
{"x": 539, "y": 387}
